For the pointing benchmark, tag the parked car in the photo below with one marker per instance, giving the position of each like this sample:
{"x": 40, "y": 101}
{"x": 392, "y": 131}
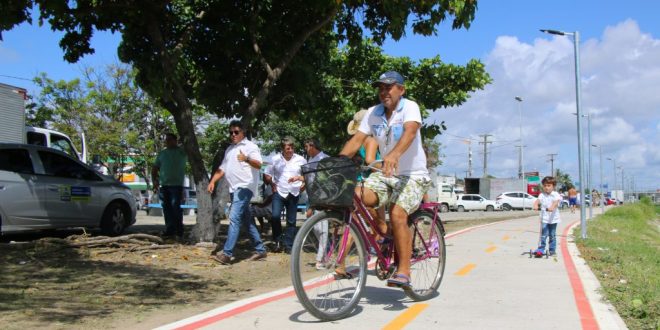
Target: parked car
{"x": 515, "y": 200}
{"x": 610, "y": 201}
{"x": 472, "y": 202}
{"x": 42, "y": 188}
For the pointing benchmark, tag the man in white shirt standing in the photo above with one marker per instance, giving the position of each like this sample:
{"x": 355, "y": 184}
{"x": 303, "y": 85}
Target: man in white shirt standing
{"x": 395, "y": 123}
{"x": 242, "y": 160}
{"x": 284, "y": 176}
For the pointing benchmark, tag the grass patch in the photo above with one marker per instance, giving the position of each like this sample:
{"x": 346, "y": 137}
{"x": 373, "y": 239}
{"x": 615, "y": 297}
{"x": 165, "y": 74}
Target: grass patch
{"x": 623, "y": 251}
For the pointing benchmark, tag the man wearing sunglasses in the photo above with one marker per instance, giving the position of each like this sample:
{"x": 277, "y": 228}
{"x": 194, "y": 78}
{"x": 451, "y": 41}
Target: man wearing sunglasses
{"x": 240, "y": 165}
{"x": 395, "y": 124}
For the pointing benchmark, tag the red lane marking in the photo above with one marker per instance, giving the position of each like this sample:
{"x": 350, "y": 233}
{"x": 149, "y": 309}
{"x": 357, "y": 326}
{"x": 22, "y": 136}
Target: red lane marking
{"x": 230, "y": 313}
{"x": 587, "y": 318}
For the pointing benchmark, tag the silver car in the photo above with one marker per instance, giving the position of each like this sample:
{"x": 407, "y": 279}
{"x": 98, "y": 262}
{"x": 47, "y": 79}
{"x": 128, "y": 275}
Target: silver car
{"x": 42, "y": 188}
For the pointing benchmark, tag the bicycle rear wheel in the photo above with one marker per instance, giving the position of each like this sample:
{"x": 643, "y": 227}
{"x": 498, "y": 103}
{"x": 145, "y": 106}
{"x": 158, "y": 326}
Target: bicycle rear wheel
{"x": 428, "y": 256}
{"x": 326, "y": 287}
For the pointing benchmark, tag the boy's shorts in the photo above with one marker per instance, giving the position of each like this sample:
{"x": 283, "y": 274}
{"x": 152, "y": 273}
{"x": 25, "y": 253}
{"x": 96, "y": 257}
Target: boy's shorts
{"x": 407, "y": 192}
{"x": 572, "y": 201}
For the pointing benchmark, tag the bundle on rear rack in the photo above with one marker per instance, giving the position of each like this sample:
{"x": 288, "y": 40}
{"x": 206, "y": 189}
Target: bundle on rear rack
{"x": 330, "y": 182}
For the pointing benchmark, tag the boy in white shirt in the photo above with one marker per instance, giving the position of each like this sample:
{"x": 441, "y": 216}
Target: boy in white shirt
{"x": 548, "y": 202}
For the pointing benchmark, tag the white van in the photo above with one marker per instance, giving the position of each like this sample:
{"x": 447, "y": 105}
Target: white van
{"x": 56, "y": 140}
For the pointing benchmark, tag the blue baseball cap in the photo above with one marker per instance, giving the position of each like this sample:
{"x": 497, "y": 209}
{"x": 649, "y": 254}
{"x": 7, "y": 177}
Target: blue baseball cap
{"x": 389, "y": 78}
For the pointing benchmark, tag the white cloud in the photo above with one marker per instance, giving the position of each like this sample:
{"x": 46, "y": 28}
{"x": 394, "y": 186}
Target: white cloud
{"x": 620, "y": 75}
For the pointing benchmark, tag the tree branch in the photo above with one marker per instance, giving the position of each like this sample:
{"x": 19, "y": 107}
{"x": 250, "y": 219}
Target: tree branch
{"x": 259, "y": 101}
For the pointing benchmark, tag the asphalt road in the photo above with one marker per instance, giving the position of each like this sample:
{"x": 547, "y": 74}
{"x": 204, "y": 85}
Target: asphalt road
{"x": 489, "y": 283}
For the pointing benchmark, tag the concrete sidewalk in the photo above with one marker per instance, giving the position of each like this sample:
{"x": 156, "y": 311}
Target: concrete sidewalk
{"x": 489, "y": 282}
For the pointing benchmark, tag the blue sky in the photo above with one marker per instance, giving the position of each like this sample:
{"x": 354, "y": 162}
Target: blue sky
{"x": 620, "y": 75}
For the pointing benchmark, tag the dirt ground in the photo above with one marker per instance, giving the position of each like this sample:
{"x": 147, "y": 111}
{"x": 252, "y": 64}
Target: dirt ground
{"x": 47, "y": 286}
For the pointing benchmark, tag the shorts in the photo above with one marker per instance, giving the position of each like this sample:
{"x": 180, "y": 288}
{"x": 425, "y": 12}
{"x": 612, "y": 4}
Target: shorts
{"x": 407, "y": 192}
{"x": 572, "y": 201}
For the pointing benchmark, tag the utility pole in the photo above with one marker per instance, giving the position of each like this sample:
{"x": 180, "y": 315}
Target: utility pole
{"x": 485, "y": 143}
{"x": 469, "y": 143}
{"x": 552, "y": 164}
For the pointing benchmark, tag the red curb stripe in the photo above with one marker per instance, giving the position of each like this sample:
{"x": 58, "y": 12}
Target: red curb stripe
{"x": 587, "y": 318}
{"x": 237, "y": 310}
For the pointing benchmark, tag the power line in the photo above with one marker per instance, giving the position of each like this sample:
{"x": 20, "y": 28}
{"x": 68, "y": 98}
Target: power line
{"x": 14, "y": 77}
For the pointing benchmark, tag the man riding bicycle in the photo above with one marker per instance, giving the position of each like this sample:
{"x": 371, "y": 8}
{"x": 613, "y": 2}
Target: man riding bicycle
{"x": 395, "y": 124}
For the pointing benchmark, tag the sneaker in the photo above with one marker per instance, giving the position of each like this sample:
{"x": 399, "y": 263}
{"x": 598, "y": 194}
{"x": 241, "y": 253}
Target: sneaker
{"x": 258, "y": 256}
{"x": 320, "y": 266}
{"x": 552, "y": 253}
{"x": 222, "y": 258}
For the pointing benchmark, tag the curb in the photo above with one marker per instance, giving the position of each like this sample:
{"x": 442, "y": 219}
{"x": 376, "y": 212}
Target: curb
{"x": 605, "y": 315}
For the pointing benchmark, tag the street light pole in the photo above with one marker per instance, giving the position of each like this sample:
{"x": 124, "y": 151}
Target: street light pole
{"x": 576, "y": 50}
{"x": 521, "y": 165}
{"x": 614, "y": 171}
{"x": 589, "y": 182}
{"x": 602, "y": 198}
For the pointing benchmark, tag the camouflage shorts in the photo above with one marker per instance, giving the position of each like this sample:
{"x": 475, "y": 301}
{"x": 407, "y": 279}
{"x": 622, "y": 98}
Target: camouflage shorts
{"x": 407, "y": 192}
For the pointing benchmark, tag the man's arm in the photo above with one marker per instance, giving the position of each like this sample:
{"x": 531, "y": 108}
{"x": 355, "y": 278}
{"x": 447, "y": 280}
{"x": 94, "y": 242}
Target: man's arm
{"x": 391, "y": 160}
{"x": 219, "y": 173}
{"x": 371, "y": 149}
{"x": 353, "y": 145}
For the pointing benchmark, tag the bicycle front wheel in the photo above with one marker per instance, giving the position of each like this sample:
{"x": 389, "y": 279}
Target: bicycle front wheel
{"x": 328, "y": 284}
{"x": 428, "y": 255}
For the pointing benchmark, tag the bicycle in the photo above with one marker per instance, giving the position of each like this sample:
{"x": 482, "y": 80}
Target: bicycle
{"x": 351, "y": 232}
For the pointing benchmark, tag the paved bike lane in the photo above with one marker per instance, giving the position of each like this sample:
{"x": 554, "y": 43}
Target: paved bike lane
{"x": 489, "y": 282}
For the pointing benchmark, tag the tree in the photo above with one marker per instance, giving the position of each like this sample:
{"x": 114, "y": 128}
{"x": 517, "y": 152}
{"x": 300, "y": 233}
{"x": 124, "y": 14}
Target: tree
{"x": 119, "y": 120}
{"x": 564, "y": 181}
{"x": 228, "y": 56}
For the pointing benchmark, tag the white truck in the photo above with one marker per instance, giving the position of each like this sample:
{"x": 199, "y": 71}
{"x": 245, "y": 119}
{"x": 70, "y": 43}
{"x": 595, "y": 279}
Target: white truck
{"x": 442, "y": 193}
{"x": 14, "y": 130}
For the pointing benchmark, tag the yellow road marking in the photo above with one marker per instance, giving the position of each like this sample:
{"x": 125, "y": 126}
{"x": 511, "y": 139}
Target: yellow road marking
{"x": 491, "y": 249}
{"x": 465, "y": 270}
{"x": 406, "y": 317}
{"x": 506, "y": 238}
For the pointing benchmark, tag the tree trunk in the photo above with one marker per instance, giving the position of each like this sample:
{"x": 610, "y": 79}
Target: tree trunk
{"x": 205, "y": 229}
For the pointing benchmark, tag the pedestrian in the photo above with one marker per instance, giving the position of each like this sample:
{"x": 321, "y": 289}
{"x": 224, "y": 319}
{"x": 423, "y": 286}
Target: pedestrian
{"x": 314, "y": 155}
{"x": 548, "y": 202}
{"x": 167, "y": 175}
{"x": 395, "y": 124}
{"x": 572, "y": 199}
{"x": 284, "y": 176}
{"x": 240, "y": 166}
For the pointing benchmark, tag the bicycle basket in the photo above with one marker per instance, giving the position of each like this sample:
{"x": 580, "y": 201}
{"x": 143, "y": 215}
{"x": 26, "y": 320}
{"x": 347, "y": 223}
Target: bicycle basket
{"x": 330, "y": 182}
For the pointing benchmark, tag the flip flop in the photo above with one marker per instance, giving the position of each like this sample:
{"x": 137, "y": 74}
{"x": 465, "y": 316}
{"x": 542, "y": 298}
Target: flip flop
{"x": 342, "y": 275}
{"x": 399, "y": 281}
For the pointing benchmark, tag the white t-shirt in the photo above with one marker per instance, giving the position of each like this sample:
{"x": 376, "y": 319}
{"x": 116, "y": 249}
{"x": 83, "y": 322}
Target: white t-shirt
{"x": 545, "y": 201}
{"x": 282, "y": 170}
{"x": 240, "y": 174}
{"x": 387, "y": 134}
